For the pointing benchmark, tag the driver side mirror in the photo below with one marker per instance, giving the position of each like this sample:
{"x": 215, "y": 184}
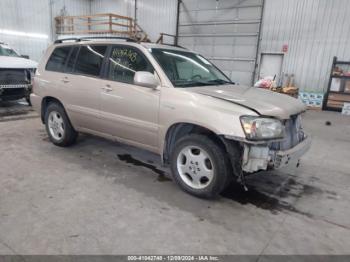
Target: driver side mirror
{"x": 146, "y": 79}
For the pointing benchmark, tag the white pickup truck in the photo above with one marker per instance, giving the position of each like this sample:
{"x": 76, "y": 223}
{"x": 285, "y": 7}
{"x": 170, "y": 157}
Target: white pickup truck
{"x": 16, "y": 74}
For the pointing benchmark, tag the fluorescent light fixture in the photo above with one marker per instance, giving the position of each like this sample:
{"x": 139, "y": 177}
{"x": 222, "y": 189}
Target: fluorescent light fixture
{"x": 18, "y": 33}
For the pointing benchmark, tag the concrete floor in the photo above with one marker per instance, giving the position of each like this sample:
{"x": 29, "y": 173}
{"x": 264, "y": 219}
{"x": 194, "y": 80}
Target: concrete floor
{"x": 99, "y": 197}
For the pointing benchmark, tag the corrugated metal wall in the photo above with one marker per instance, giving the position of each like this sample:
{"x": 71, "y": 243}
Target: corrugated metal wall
{"x": 225, "y": 31}
{"x": 72, "y": 7}
{"x": 34, "y": 16}
{"x": 25, "y": 16}
{"x": 157, "y": 16}
{"x": 154, "y": 16}
{"x": 314, "y": 30}
{"x": 121, "y": 7}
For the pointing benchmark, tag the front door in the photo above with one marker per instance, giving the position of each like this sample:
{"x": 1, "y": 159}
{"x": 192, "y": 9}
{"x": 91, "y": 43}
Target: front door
{"x": 128, "y": 111}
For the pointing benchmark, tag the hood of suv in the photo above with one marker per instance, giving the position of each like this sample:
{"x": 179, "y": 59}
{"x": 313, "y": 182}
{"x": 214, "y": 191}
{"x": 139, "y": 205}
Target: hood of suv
{"x": 264, "y": 102}
{"x": 16, "y": 62}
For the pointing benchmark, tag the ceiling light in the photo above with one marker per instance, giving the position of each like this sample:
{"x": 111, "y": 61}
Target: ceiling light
{"x": 18, "y": 33}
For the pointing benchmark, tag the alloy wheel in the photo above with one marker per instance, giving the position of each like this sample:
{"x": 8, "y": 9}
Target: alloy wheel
{"x": 195, "y": 167}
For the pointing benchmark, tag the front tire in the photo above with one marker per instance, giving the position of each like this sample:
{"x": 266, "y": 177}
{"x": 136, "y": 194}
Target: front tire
{"x": 58, "y": 126}
{"x": 200, "y": 166}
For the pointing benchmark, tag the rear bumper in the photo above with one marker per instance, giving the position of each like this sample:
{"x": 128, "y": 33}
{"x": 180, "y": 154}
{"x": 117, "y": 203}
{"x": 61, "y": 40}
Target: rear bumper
{"x": 261, "y": 157}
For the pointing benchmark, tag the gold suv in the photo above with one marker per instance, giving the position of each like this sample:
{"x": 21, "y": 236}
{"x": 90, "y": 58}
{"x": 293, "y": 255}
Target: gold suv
{"x": 170, "y": 101}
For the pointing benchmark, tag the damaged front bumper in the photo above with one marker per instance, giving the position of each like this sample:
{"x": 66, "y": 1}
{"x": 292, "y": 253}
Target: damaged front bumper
{"x": 14, "y": 92}
{"x": 258, "y": 157}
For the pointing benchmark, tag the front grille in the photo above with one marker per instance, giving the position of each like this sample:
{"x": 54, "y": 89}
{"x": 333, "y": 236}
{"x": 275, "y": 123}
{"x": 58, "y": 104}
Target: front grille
{"x": 14, "y": 77}
{"x": 294, "y": 134}
{"x": 13, "y": 92}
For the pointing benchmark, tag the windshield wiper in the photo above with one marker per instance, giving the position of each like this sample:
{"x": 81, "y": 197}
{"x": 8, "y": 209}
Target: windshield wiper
{"x": 220, "y": 81}
{"x": 192, "y": 84}
{"x": 205, "y": 83}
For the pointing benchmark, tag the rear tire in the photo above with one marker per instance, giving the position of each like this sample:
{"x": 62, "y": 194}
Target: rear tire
{"x": 200, "y": 166}
{"x": 58, "y": 126}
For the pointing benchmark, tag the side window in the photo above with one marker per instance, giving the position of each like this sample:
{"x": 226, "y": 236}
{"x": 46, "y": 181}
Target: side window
{"x": 124, "y": 62}
{"x": 71, "y": 59}
{"x": 89, "y": 60}
{"x": 58, "y": 59}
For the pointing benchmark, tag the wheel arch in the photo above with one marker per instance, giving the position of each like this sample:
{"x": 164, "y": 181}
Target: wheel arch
{"x": 233, "y": 148}
{"x": 44, "y": 104}
{"x": 178, "y": 130}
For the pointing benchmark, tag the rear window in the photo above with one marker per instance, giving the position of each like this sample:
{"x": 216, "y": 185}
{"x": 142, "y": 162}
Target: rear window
{"x": 89, "y": 60}
{"x": 58, "y": 59}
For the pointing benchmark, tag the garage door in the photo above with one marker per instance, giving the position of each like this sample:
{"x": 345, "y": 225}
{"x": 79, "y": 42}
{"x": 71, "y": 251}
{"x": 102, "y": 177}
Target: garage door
{"x": 225, "y": 31}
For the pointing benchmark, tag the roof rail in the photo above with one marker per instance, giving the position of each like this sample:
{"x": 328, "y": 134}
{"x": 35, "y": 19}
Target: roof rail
{"x": 86, "y": 38}
{"x": 58, "y": 41}
{"x": 128, "y": 39}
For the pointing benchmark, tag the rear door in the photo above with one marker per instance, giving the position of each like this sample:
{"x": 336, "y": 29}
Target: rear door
{"x": 128, "y": 111}
{"x": 52, "y": 78}
{"x": 83, "y": 83}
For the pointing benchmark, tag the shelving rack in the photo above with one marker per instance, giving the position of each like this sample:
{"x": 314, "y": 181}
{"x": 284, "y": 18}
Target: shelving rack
{"x": 334, "y": 100}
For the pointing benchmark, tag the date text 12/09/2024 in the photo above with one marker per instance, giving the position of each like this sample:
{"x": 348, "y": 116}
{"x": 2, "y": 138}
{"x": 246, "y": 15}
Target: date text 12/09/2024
{"x": 173, "y": 258}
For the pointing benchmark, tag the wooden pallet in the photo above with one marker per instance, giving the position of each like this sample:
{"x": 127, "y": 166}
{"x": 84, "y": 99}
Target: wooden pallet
{"x": 107, "y": 23}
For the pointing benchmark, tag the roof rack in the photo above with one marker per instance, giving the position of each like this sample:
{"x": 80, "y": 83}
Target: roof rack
{"x": 161, "y": 40}
{"x": 86, "y": 38}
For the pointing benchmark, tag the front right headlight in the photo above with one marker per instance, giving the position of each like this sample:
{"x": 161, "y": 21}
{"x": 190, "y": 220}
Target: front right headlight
{"x": 260, "y": 128}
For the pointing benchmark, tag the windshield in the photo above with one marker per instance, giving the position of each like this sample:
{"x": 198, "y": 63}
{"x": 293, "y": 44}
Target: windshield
{"x": 6, "y": 51}
{"x": 187, "y": 69}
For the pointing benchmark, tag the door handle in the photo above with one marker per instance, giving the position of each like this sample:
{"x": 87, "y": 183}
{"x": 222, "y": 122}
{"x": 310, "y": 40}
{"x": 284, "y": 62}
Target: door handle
{"x": 107, "y": 88}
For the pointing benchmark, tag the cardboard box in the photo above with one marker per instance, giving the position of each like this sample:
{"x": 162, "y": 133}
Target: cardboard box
{"x": 339, "y": 97}
{"x": 347, "y": 86}
{"x": 302, "y": 96}
{"x": 311, "y": 99}
{"x": 336, "y": 84}
{"x": 315, "y": 103}
{"x": 345, "y": 112}
{"x": 346, "y": 106}
{"x": 335, "y": 104}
